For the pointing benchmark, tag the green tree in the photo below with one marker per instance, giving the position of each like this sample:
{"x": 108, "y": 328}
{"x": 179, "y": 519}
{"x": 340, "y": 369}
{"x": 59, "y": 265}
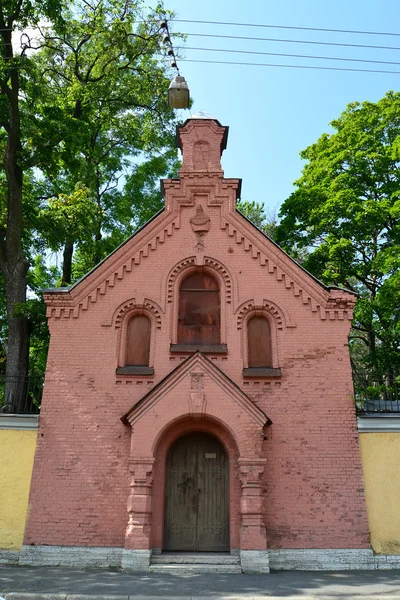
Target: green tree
{"x": 81, "y": 97}
{"x": 14, "y": 69}
{"x": 65, "y": 220}
{"x": 345, "y": 215}
{"x": 127, "y": 209}
{"x": 103, "y": 74}
{"x": 265, "y": 220}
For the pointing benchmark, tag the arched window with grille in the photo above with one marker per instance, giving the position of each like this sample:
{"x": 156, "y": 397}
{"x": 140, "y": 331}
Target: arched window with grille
{"x": 259, "y": 342}
{"x": 199, "y": 319}
{"x": 137, "y": 351}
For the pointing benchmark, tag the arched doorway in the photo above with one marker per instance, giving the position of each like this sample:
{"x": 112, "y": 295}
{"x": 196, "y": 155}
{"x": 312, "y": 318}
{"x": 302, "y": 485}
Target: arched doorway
{"x": 197, "y": 495}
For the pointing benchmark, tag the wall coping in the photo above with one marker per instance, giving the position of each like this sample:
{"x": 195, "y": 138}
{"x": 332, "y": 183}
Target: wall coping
{"x": 376, "y": 423}
{"x": 26, "y": 422}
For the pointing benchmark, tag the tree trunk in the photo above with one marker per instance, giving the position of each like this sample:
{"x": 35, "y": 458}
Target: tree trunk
{"x": 67, "y": 263}
{"x": 18, "y": 342}
{"x": 97, "y": 253}
{"x": 12, "y": 260}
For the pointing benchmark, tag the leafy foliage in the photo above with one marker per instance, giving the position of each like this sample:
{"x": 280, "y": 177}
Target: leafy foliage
{"x": 257, "y": 214}
{"x": 85, "y": 131}
{"x": 344, "y": 216}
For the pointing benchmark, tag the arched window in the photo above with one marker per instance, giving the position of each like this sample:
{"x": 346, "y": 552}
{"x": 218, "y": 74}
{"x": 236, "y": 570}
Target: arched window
{"x": 138, "y": 332}
{"x": 259, "y": 342}
{"x": 199, "y": 321}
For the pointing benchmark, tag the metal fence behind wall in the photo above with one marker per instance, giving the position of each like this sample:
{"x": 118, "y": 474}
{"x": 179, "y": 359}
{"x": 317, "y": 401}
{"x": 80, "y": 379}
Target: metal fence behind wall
{"x": 374, "y": 393}
{"x": 32, "y": 387}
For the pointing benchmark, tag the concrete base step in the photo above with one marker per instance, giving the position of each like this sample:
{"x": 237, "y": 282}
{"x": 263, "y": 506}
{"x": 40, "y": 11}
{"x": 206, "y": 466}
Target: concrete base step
{"x": 194, "y": 568}
{"x": 195, "y": 562}
{"x": 183, "y": 558}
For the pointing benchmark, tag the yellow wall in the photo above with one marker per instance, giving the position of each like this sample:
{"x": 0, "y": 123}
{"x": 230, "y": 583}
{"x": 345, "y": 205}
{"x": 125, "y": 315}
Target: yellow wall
{"x": 380, "y": 453}
{"x": 17, "y": 450}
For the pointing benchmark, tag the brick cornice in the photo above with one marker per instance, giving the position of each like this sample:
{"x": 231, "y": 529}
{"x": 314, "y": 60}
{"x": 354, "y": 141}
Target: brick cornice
{"x": 328, "y": 303}
{"x": 69, "y": 303}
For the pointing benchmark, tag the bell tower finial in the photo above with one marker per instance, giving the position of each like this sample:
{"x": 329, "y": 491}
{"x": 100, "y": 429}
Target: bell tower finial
{"x": 202, "y": 140}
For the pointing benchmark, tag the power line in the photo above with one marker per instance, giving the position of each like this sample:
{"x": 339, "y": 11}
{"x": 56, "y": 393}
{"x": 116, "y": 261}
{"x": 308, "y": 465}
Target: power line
{"x": 258, "y": 39}
{"x": 249, "y": 64}
{"x": 355, "y": 31}
{"x": 362, "y": 60}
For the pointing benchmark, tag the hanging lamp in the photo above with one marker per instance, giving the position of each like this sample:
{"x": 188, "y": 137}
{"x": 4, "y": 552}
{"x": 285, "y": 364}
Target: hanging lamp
{"x": 178, "y": 93}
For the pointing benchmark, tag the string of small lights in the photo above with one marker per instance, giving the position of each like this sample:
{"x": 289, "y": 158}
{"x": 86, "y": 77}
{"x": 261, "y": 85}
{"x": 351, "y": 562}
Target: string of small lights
{"x": 178, "y": 91}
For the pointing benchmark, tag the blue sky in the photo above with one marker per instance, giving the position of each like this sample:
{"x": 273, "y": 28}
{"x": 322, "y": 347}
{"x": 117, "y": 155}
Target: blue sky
{"x": 274, "y": 113}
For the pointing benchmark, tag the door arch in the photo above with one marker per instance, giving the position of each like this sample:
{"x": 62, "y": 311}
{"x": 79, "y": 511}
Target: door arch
{"x": 197, "y": 495}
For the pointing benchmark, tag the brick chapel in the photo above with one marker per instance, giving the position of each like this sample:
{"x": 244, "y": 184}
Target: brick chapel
{"x": 198, "y": 397}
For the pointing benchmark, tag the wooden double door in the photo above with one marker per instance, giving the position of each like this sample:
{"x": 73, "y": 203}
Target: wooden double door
{"x": 197, "y": 495}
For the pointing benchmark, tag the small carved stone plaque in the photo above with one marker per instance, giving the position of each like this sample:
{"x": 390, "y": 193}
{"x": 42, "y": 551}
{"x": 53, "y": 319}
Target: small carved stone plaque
{"x": 196, "y": 381}
{"x": 201, "y": 225}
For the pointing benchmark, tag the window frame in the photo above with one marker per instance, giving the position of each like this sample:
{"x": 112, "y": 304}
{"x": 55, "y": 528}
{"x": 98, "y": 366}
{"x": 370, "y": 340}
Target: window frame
{"x": 222, "y": 346}
{"x": 274, "y": 370}
{"x": 193, "y": 300}
{"x": 266, "y": 346}
{"x": 122, "y": 367}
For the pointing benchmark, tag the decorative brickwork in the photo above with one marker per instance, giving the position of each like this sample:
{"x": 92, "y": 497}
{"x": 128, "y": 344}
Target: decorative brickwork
{"x": 294, "y": 485}
{"x": 282, "y": 319}
{"x": 129, "y": 306}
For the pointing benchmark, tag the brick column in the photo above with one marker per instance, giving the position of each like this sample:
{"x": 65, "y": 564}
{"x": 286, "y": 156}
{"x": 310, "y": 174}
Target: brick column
{"x": 253, "y": 539}
{"x": 137, "y": 552}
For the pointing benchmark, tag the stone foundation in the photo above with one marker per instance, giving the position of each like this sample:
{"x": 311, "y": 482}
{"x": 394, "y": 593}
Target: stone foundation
{"x": 252, "y": 561}
{"x": 330, "y": 560}
{"x": 70, "y": 556}
{"x": 137, "y": 561}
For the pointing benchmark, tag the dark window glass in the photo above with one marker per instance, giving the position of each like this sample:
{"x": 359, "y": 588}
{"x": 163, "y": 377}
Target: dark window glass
{"x": 259, "y": 342}
{"x": 138, "y": 341}
{"x": 199, "y": 310}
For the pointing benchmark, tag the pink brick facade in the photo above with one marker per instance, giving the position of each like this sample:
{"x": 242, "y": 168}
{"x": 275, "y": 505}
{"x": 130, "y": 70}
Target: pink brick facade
{"x": 99, "y": 481}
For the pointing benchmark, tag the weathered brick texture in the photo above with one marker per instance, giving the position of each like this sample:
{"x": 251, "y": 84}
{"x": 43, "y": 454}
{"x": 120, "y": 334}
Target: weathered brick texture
{"x": 305, "y": 468}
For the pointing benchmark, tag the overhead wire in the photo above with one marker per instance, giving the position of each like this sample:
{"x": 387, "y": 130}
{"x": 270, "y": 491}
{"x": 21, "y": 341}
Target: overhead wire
{"x": 261, "y": 39}
{"x": 259, "y": 25}
{"x": 362, "y": 60}
{"x": 280, "y": 54}
{"x": 319, "y": 68}
{"x": 324, "y": 29}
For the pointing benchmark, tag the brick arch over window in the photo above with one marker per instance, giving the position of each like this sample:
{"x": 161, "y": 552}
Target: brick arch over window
{"x": 129, "y": 305}
{"x": 180, "y": 271}
{"x": 259, "y": 328}
{"x": 281, "y": 316}
{"x": 189, "y": 263}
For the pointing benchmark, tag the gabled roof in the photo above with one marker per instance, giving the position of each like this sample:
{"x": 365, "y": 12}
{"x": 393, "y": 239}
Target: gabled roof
{"x": 321, "y": 283}
{"x": 181, "y": 371}
{"x": 60, "y": 290}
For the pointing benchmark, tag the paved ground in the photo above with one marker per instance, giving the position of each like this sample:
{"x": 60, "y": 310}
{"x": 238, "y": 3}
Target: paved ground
{"x": 152, "y": 586}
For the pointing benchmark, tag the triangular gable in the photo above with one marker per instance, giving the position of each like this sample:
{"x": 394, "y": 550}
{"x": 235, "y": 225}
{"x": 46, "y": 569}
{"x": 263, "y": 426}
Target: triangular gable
{"x": 222, "y": 193}
{"x": 181, "y": 371}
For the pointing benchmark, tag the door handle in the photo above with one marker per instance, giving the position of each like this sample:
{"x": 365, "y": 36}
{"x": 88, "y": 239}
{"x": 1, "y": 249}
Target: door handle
{"x": 196, "y": 499}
